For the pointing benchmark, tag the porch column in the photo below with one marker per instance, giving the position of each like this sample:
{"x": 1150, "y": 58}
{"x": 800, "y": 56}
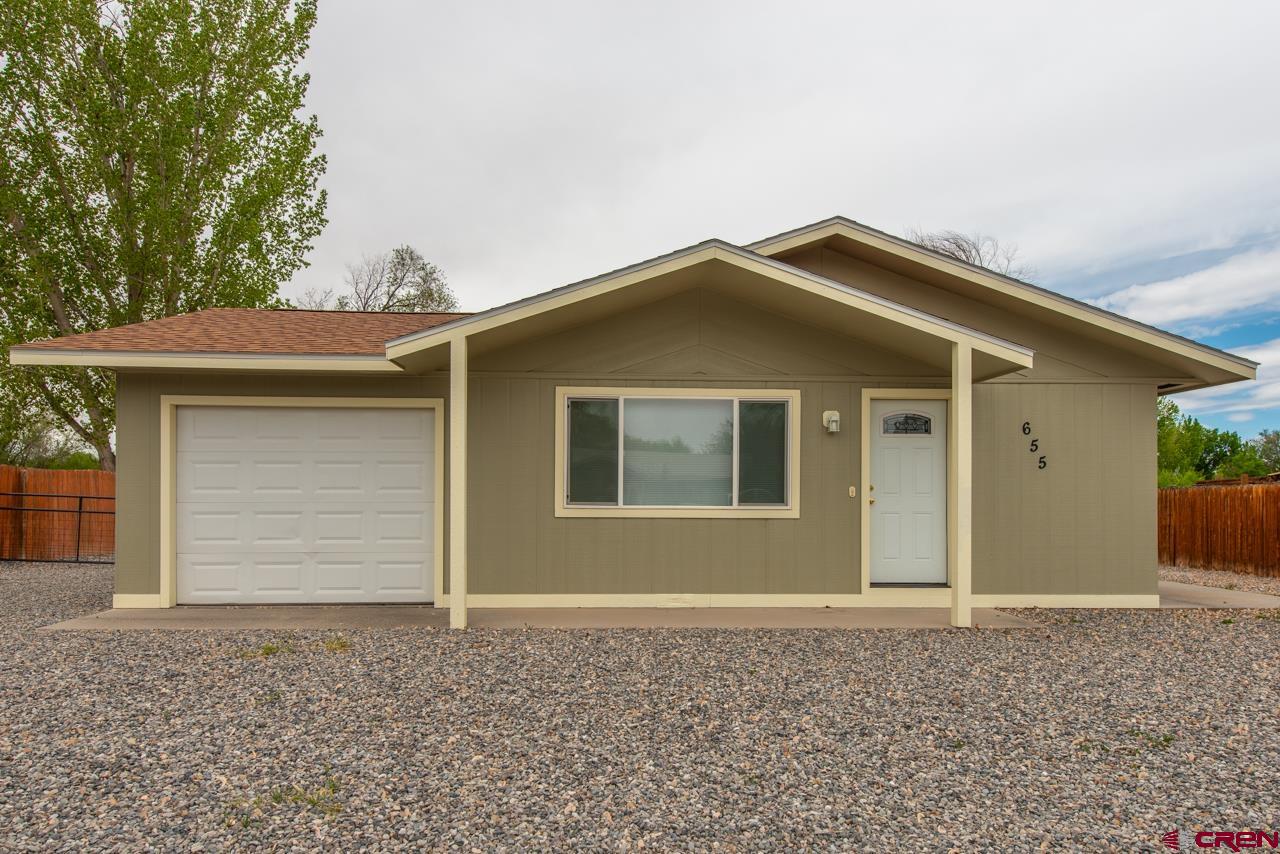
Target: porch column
{"x": 960, "y": 530}
{"x": 458, "y": 483}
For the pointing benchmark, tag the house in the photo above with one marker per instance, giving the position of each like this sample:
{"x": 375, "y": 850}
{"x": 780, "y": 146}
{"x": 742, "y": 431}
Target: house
{"x": 830, "y": 417}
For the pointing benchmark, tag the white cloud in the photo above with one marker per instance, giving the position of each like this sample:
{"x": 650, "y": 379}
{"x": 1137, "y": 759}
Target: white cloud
{"x": 1241, "y": 401}
{"x": 522, "y": 146}
{"x": 1249, "y": 282}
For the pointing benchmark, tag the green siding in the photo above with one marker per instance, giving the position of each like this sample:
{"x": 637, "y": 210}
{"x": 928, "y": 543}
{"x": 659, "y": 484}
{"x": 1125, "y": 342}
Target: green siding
{"x": 1086, "y": 524}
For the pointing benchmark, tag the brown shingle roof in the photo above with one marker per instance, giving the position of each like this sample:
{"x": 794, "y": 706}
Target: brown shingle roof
{"x": 255, "y": 330}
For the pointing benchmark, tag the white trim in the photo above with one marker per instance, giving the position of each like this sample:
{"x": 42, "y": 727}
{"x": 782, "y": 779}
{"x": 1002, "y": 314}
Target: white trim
{"x": 458, "y": 382}
{"x": 878, "y": 597}
{"x": 864, "y": 464}
{"x": 896, "y": 598}
{"x": 169, "y": 403}
{"x": 135, "y": 600}
{"x": 711, "y": 250}
{"x": 789, "y": 511}
{"x": 1112, "y": 322}
{"x": 1065, "y": 600}
{"x": 204, "y": 361}
{"x": 960, "y": 483}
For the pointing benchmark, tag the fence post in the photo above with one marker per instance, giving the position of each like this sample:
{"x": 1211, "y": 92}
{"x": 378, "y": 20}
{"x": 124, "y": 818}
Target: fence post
{"x": 79, "y": 516}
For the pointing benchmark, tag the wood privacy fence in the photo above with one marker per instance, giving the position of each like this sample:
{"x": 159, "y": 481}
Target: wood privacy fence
{"x": 1235, "y": 528}
{"x": 57, "y": 515}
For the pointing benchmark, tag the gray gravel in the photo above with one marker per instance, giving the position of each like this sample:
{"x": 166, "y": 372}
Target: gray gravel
{"x": 1221, "y": 578}
{"x": 1096, "y": 730}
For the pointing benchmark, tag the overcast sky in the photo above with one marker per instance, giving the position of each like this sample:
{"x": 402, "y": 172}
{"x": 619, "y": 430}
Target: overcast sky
{"x": 1130, "y": 150}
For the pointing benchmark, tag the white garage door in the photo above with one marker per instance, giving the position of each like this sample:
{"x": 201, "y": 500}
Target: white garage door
{"x": 304, "y": 505}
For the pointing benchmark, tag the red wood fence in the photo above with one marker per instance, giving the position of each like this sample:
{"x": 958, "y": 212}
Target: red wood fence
{"x": 57, "y": 515}
{"x": 1235, "y": 528}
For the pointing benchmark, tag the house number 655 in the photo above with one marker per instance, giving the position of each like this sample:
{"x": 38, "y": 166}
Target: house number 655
{"x": 1041, "y": 462}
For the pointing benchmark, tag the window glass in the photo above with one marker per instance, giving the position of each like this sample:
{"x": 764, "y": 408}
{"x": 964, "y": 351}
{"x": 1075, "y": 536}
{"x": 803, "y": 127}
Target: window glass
{"x": 762, "y": 452}
{"x": 678, "y": 452}
{"x": 593, "y": 451}
{"x": 907, "y": 424}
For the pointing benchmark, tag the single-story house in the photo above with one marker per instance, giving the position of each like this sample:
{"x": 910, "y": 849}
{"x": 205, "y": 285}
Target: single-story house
{"x": 830, "y": 417}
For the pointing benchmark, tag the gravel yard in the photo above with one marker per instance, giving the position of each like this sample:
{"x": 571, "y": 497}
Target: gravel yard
{"x": 1219, "y": 578}
{"x": 1098, "y": 730}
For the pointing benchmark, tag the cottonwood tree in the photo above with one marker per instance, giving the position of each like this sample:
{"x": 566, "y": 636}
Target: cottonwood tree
{"x": 154, "y": 160}
{"x": 399, "y": 280}
{"x": 980, "y": 250}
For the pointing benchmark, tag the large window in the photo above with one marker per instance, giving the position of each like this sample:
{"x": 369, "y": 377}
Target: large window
{"x": 676, "y": 450}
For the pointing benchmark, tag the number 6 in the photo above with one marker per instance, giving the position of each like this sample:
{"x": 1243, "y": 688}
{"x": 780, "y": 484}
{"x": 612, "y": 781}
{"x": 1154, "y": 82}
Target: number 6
{"x": 1026, "y": 428}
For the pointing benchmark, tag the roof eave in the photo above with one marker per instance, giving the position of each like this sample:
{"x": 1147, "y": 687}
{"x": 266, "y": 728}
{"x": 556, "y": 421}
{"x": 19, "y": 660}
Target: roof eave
{"x": 1243, "y": 368}
{"x": 195, "y": 360}
{"x": 408, "y": 344}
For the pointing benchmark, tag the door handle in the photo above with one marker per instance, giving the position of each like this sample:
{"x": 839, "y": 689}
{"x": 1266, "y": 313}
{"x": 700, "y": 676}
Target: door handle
{"x": 871, "y": 501}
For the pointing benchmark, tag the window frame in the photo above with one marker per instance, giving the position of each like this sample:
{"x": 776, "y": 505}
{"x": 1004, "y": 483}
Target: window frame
{"x": 789, "y": 510}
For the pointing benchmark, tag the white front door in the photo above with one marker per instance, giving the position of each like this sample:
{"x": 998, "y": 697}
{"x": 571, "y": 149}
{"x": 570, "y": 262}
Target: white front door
{"x": 304, "y": 505}
{"x": 908, "y": 491}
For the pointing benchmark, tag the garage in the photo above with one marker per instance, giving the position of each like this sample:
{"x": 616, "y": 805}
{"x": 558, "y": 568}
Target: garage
{"x": 305, "y": 504}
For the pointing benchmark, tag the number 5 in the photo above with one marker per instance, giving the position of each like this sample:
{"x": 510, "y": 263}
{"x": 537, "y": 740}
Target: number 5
{"x": 1035, "y": 445}
{"x": 1042, "y": 463}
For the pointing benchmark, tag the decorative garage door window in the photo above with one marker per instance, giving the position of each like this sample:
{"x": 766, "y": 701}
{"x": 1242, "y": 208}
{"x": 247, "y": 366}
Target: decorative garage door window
{"x": 907, "y": 424}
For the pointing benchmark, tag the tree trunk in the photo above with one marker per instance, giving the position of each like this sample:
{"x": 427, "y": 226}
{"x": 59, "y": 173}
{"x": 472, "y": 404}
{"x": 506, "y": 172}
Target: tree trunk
{"x": 106, "y": 455}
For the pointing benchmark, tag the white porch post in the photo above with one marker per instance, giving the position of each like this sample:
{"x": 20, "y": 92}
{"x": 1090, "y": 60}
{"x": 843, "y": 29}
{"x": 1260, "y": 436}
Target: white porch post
{"x": 458, "y": 483}
{"x": 961, "y": 483}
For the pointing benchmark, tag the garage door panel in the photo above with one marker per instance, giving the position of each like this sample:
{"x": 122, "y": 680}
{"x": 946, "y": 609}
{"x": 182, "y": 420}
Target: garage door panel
{"x": 272, "y": 475}
{"x": 299, "y": 505}
{"x": 293, "y": 577}
{"x": 347, "y": 527}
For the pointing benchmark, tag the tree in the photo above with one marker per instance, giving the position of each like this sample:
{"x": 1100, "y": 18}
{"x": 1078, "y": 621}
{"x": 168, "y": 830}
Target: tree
{"x": 1188, "y": 451}
{"x": 30, "y": 437}
{"x": 152, "y": 162}
{"x": 980, "y": 250}
{"x": 399, "y": 280}
{"x": 1268, "y": 444}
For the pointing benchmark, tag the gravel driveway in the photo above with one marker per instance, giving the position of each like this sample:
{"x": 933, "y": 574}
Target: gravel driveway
{"x": 1098, "y": 730}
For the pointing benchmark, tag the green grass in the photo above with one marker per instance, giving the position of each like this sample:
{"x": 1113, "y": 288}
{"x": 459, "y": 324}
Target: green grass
{"x": 267, "y": 650}
{"x": 246, "y": 812}
{"x": 1153, "y": 742}
{"x": 337, "y": 644}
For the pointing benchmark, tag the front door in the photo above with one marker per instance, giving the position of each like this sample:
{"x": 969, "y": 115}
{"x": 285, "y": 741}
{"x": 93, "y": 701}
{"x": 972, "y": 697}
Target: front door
{"x": 908, "y": 496}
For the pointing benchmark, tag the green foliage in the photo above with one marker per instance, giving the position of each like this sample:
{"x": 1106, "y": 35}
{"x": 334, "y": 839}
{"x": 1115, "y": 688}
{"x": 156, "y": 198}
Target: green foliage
{"x": 1168, "y": 477}
{"x": 29, "y": 437}
{"x": 153, "y": 161}
{"x": 1188, "y": 451}
{"x": 1268, "y": 445}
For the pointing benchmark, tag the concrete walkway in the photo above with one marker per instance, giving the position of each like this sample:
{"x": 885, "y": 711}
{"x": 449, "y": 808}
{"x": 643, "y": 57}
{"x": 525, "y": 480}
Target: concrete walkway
{"x": 297, "y": 617}
{"x": 1175, "y": 594}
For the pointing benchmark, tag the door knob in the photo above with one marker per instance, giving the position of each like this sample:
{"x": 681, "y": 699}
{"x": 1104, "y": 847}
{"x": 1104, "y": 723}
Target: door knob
{"x": 871, "y": 501}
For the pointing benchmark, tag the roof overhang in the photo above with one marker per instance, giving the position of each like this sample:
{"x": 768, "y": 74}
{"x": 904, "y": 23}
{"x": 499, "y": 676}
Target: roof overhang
{"x": 236, "y": 362}
{"x": 1208, "y": 365}
{"x": 738, "y": 272}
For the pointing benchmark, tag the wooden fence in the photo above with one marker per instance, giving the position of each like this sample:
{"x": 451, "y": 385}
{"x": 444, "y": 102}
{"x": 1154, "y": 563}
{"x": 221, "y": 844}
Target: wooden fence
{"x": 57, "y": 515}
{"x": 1235, "y": 528}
